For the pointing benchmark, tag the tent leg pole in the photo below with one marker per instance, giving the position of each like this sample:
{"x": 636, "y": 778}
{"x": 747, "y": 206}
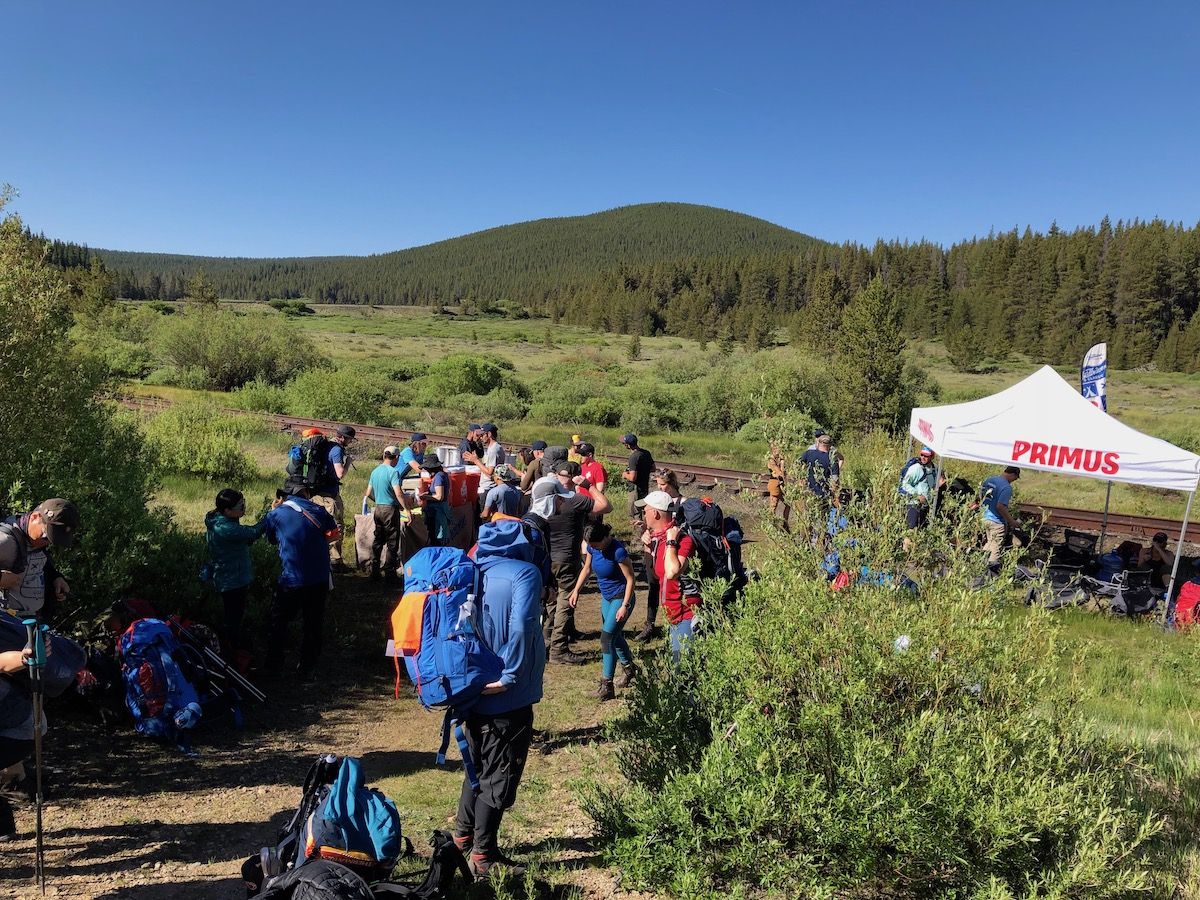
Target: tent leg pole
{"x": 1175, "y": 566}
{"x": 936, "y": 493}
{"x": 1104, "y": 521}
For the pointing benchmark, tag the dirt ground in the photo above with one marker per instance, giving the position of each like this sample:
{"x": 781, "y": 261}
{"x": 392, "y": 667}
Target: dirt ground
{"x": 129, "y": 819}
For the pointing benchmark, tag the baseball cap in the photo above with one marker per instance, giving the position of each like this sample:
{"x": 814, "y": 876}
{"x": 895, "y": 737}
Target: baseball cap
{"x": 505, "y": 472}
{"x": 585, "y": 449}
{"x": 630, "y": 439}
{"x": 61, "y": 518}
{"x": 819, "y": 432}
{"x": 391, "y": 451}
{"x": 548, "y": 486}
{"x": 566, "y": 467}
{"x": 1159, "y": 538}
{"x": 490, "y": 429}
{"x": 925, "y": 451}
{"x": 417, "y": 436}
{"x": 538, "y": 445}
{"x": 576, "y": 438}
{"x": 1013, "y": 470}
{"x": 346, "y": 431}
{"x": 659, "y": 500}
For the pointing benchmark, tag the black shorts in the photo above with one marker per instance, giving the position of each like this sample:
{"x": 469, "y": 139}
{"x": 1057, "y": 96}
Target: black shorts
{"x": 499, "y": 745}
{"x": 917, "y": 515}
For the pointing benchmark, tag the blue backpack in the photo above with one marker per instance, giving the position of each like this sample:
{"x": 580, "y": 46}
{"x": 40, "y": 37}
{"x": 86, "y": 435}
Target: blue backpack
{"x": 161, "y": 697}
{"x": 352, "y": 825}
{"x": 908, "y": 465}
{"x": 435, "y": 628}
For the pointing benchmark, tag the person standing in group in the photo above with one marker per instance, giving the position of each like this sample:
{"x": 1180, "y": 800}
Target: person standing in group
{"x": 392, "y": 509}
{"x": 589, "y": 467}
{"x": 487, "y": 461}
{"x": 667, "y": 481}
{"x": 471, "y": 443}
{"x": 436, "y": 503}
{"x": 301, "y": 530}
{"x": 637, "y": 473}
{"x": 776, "y": 485}
{"x": 533, "y": 469}
{"x": 29, "y": 581}
{"x": 670, "y": 552}
{"x": 229, "y": 555}
{"x": 565, "y": 534}
{"x": 328, "y": 492}
{"x": 823, "y": 472}
{"x": 413, "y": 455}
{"x": 607, "y": 558}
{"x": 919, "y": 485}
{"x": 998, "y": 522}
{"x": 505, "y": 498}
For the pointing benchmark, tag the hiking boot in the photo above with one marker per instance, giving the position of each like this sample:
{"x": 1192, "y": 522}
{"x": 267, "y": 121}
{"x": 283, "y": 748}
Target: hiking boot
{"x": 647, "y": 633}
{"x": 567, "y": 658}
{"x": 339, "y": 568}
{"x": 604, "y": 690}
{"x": 482, "y": 867}
{"x": 625, "y": 677}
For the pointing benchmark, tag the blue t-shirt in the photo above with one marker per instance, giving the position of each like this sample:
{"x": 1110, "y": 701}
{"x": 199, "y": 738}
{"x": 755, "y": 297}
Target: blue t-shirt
{"x": 821, "y": 470}
{"x": 408, "y": 456}
{"x": 303, "y": 548}
{"x": 383, "y": 478}
{"x": 504, "y": 498}
{"x": 337, "y": 454}
{"x": 606, "y": 564}
{"x": 995, "y": 490}
{"x": 444, "y": 480}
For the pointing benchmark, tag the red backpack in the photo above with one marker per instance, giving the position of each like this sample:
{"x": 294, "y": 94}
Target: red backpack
{"x": 1185, "y": 607}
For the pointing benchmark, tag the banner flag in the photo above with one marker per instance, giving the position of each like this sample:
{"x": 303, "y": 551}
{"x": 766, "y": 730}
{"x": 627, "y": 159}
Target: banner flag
{"x": 1094, "y": 376}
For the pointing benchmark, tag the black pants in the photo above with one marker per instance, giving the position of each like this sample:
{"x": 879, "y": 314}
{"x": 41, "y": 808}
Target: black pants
{"x": 387, "y": 531}
{"x": 651, "y": 588}
{"x": 11, "y": 751}
{"x": 499, "y": 745}
{"x": 309, "y": 602}
{"x": 235, "y": 611}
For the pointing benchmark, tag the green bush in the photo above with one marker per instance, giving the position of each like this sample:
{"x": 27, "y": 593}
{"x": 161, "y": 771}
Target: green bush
{"x": 553, "y": 412}
{"x": 792, "y": 431}
{"x": 599, "y": 411}
{"x": 463, "y": 373}
{"x": 195, "y": 438}
{"x": 820, "y": 743}
{"x": 232, "y": 348}
{"x": 170, "y": 376}
{"x": 348, "y": 394}
{"x": 260, "y": 396}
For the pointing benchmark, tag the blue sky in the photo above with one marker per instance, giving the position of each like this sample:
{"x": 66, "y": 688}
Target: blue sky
{"x": 263, "y": 129}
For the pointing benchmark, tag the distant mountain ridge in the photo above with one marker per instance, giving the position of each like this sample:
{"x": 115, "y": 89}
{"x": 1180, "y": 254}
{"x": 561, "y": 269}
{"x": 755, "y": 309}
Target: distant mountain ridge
{"x": 527, "y": 261}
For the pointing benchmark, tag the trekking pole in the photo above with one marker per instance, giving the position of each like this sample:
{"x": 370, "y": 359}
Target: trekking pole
{"x": 222, "y": 666}
{"x": 37, "y": 662}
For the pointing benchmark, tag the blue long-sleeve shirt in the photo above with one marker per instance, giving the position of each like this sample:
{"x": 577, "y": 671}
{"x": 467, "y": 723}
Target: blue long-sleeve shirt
{"x": 303, "y": 548}
{"x": 512, "y": 611}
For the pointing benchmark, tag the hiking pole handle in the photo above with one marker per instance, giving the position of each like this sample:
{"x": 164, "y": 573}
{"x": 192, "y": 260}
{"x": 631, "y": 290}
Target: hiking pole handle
{"x": 36, "y": 642}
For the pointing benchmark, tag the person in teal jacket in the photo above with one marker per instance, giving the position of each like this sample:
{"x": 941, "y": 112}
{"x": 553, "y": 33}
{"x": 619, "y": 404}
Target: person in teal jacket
{"x": 229, "y": 555}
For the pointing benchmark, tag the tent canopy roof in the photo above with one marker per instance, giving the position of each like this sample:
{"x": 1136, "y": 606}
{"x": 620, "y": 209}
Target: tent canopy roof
{"x": 1043, "y": 423}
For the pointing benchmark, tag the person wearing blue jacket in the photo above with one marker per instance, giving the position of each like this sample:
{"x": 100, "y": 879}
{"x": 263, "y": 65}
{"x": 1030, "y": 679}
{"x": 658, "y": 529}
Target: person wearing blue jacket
{"x": 301, "y": 530}
{"x": 229, "y": 555}
{"x": 500, "y": 727}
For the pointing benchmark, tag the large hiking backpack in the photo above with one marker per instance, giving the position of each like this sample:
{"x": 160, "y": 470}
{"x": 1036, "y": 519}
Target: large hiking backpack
{"x": 436, "y": 629}
{"x": 308, "y": 464}
{"x": 904, "y": 471}
{"x": 1185, "y": 607}
{"x": 160, "y": 675}
{"x": 717, "y": 539}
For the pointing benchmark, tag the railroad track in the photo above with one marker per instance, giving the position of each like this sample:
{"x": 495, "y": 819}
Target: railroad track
{"x": 706, "y": 477}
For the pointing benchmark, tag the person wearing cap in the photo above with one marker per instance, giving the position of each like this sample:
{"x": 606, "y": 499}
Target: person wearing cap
{"x": 505, "y": 498}
{"x": 329, "y": 494}
{"x": 823, "y": 471}
{"x": 998, "y": 523}
{"x": 533, "y": 470}
{"x": 573, "y": 452}
{"x": 637, "y": 473}
{"x": 572, "y": 511}
{"x": 413, "y": 455}
{"x": 670, "y": 551}
{"x": 589, "y": 467}
{"x": 29, "y": 582}
{"x": 436, "y": 502}
{"x": 471, "y": 443}
{"x": 776, "y": 482}
{"x": 918, "y": 484}
{"x": 492, "y": 456}
{"x": 391, "y": 510}
{"x": 1158, "y": 559}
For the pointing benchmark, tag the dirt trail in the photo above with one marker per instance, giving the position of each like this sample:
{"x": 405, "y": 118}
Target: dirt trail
{"x": 129, "y": 819}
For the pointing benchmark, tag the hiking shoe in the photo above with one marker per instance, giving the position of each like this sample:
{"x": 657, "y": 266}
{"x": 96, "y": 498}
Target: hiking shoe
{"x": 483, "y": 868}
{"x": 647, "y": 633}
{"x": 604, "y": 690}
{"x": 339, "y": 568}
{"x": 567, "y": 658}
{"x": 625, "y": 677}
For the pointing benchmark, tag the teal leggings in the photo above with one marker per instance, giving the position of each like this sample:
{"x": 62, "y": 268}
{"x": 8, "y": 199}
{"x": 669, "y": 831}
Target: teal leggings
{"x": 612, "y": 636}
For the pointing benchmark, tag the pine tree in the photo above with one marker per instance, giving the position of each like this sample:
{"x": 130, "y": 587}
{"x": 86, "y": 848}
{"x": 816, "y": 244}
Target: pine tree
{"x": 201, "y": 290}
{"x": 817, "y": 324}
{"x": 871, "y": 391}
{"x": 634, "y": 352}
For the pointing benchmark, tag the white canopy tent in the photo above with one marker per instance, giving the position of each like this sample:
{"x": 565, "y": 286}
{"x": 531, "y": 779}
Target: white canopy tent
{"x": 1043, "y": 423}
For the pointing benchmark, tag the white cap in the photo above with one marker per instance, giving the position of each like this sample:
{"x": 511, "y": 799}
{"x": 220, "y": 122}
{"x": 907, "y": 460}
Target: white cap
{"x": 391, "y": 451}
{"x": 660, "y": 500}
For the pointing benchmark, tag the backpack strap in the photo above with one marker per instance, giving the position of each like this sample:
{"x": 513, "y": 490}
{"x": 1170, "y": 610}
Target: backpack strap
{"x": 298, "y": 508}
{"x": 447, "y": 861}
{"x": 22, "y": 558}
{"x": 449, "y": 721}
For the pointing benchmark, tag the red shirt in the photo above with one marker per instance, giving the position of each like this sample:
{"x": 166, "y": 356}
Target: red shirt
{"x": 593, "y": 472}
{"x": 670, "y": 592}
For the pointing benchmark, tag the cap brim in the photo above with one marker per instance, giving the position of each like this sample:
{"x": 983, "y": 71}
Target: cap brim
{"x": 60, "y": 535}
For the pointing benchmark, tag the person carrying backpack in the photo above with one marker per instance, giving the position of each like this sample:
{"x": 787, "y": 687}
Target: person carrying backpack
{"x": 671, "y": 551}
{"x": 607, "y": 558}
{"x": 229, "y": 555}
{"x": 302, "y": 531}
{"x": 998, "y": 522}
{"x": 918, "y": 483}
{"x": 28, "y": 579}
{"x": 499, "y": 727}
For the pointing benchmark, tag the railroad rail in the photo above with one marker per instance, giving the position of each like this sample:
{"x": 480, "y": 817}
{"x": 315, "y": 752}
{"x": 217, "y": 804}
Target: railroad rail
{"x": 706, "y": 477}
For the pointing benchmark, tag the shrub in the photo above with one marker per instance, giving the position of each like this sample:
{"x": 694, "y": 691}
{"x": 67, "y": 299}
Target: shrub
{"x": 232, "y": 348}
{"x": 792, "y": 431}
{"x": 864, "y": 741}
{"x": 599, "y": 411}
{"x": 195, "y": 438}
{"x": 349, "y": 394}
{"x": 192, "y": 379}
{"x": 553, "y": 412}
{"x": 260, "y": 396}
{"x": 462, "y": 373}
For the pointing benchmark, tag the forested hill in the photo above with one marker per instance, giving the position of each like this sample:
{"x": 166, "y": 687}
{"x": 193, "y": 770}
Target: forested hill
{"x": 527, "y": 262}
{"x": 712, "y": 274}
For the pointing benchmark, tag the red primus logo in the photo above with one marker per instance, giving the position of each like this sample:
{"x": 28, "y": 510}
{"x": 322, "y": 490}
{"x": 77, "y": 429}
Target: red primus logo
{"x": 926, "y": 430}
{"x": 1077, "y": 458}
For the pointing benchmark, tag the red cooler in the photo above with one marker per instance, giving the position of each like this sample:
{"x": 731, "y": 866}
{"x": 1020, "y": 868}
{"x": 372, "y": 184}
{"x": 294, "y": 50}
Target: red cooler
{"x": 472, "y": 484}
{"x": 458, "y": 485}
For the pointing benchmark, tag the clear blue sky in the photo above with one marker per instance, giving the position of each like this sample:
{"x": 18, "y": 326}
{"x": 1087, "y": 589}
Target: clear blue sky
{"x": 264, "y": 129}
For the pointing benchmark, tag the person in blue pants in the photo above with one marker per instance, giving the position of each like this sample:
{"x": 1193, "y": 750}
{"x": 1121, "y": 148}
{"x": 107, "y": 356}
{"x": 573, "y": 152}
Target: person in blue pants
{"x": 607, "y": 558}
